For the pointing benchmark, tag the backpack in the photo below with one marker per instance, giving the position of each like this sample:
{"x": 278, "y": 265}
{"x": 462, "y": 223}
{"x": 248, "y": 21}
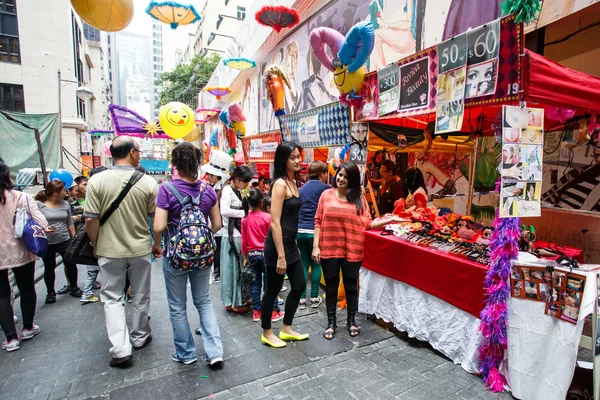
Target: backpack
{"x": 192, "y": 245}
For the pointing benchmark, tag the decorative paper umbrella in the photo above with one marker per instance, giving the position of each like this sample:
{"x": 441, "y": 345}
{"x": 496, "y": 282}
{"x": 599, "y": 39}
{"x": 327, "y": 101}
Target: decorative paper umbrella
{"x": 173, "y": 13}
{"x": 129, "y": 123}
{"x": 277, "y": 17}
{"x": 205, "y": 114}
{"x": 240, "y": 63}
{"x": 218, "y": 91}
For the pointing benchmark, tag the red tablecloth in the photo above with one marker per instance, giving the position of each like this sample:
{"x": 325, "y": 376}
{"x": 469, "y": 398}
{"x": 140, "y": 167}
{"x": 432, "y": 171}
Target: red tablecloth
{"x": 455, "y": 280}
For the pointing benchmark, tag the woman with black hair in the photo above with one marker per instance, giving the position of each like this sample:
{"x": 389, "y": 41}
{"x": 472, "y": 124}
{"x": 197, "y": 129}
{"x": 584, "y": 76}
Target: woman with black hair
{"x": 15, "y": 256}
{"x": 413, "y": 177}
{"x": 340, "y": 223}
{"x": 57, "y": 211}
{"x": 231, "y": 244}
{"x": 187, "y": 158}
{"x": 281, "y": 250}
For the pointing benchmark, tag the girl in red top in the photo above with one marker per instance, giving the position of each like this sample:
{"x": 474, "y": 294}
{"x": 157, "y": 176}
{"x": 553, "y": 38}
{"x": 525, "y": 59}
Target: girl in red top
{"x": 255, "y": 227}
{"x": 340, "y": 223}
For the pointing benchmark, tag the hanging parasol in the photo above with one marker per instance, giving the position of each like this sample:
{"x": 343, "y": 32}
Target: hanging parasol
{"x": 240, "y": 63}
{"x": 203, "y": 115}
{"x": 218, "y": 91}
{"x": 277, "y": 17}
{"x": 173, "y": 13}
{"x": 129, "y": 123}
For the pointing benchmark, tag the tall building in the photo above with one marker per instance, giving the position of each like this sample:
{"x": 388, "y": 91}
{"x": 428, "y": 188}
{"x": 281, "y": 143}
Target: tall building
{"x": 157, "y": 62}
{"x": 37, "y": 40}
{"x": 134, "y": 76}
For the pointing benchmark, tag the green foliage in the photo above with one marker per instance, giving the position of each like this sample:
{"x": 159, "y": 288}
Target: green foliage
{"x": 525, "y": 10}
{"x": 489, "y": 154}
{"x": 178, "y": 85}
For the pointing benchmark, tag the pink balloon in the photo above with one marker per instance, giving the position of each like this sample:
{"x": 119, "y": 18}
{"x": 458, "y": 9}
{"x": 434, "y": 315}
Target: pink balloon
{"x": 106, "y": 148}
{"x": 319, "y": 37}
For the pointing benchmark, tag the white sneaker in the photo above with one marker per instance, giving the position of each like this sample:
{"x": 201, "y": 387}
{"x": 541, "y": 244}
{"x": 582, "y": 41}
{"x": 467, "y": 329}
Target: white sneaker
{"x": 315, "y": 302}
{"x": 302, "y": 304}
{"x": 13, "y": 345}
{"x": 27, "y": 334}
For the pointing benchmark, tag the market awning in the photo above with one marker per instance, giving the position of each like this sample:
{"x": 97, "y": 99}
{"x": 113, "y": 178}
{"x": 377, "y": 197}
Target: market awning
{"x": 550, "y": 84}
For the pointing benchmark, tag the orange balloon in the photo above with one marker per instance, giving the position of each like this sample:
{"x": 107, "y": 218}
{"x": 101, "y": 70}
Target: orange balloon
{"x": 276, "y": 92}
{"x": 193, "y": 135}
{"x": 106, "y": 15}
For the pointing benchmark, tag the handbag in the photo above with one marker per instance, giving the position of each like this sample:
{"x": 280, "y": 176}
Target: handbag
{"x": 33, "y": 235}
{"x": 80, "y": 250}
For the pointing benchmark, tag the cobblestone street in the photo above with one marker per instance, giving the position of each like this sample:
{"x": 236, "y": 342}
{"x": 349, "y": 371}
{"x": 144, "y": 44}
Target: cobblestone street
{"x": 69, "y": 359}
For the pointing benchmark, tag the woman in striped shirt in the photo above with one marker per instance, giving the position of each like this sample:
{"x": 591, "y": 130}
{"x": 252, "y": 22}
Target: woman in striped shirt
{"x": 340, "y": 223}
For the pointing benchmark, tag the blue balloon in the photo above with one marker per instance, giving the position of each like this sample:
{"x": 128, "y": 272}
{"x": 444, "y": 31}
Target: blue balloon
{"x": 62, "y": 175}
{"x": 358, "y": 46}
{"x": 224, "y": 118}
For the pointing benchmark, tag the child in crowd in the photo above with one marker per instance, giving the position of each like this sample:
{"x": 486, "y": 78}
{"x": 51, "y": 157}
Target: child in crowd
{"x": 255, "y": 227}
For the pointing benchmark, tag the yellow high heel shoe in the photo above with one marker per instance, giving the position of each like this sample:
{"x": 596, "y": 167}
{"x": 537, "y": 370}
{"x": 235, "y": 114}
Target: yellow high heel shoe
{"x": 264, "y": 340}
{"x": 287, "y": 336}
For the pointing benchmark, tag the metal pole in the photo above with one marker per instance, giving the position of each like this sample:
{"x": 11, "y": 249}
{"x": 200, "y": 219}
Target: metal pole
{"x": 41, "y": 154}
{"x": 62, "y": 161}
{"x": 472, "y": 177}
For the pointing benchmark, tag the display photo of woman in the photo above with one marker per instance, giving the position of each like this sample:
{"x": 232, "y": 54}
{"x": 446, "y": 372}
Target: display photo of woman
{"x": 340, "y": 223}
{"x": 481, "y": 79}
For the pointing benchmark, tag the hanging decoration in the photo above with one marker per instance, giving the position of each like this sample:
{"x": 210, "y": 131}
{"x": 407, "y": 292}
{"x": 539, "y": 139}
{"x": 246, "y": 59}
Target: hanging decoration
{"x": 504, "y": 247}
{"x": 214, "y": 139}
{"x": 176, "y": 119}
{"x": 129, "y": 123}
{"x": 206, "y": 151}
{"x": 275, "y": 78}
{"x": 524, "y": 10}
{"x": 173, "y": 13}
{"x": 203, "y": 115}
{"x": 193, "y": 135}
{"x": 241, "y": 64}
{"x": 218, "y": 91}
{"x": 233, "y": 118}
{"x": 277, "y": 17}
{"x": 231, "y": 140}
{"x": 106, "y": 15}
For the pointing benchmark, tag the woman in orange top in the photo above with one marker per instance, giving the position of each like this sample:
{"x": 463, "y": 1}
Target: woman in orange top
{"x": 340, "y": 223}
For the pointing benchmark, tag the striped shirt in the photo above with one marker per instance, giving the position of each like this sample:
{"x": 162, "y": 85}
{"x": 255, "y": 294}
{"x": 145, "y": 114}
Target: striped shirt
{"x": 342, "y": 231}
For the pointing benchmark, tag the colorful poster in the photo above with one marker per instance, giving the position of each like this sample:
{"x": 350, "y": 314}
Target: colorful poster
{"x": 414, "y": 85}
{"x": 359, "y": 148}
{"x": 308, "y": 129}
{"x": 450, "y": 101}
{"x": 387, "y": 81}
{"x": 522, "y": 161}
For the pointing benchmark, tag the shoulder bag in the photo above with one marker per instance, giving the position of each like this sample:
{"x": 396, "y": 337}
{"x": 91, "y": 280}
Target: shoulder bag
{"x": 80, "y": 250}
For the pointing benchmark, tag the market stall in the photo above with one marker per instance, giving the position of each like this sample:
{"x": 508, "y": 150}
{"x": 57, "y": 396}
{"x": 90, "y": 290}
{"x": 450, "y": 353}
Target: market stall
{"x": 410, "y": 280}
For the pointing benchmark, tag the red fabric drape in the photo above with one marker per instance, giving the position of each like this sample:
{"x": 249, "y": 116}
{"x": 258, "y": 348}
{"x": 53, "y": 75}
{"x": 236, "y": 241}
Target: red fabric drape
{"x": 548, "y": 83}
{"x": 455, "y": 280}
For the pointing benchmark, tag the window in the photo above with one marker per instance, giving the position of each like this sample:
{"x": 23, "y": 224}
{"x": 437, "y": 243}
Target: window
{"x": 91, "y": 33}
{"x": 11, "y": 97}
{"x": 9, "y": 32}
{"x": 241, "y": 13}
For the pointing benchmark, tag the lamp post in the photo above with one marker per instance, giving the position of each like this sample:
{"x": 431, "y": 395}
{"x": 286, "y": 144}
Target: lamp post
{"x": 83, "y": 93}
{"x": 205, "y": 50}
{"x": 213, "y": 36}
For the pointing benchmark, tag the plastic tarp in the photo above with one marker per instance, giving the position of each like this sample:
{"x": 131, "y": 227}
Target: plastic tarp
{"x": 18, "y": 147}
{"x": 548, "y": 83}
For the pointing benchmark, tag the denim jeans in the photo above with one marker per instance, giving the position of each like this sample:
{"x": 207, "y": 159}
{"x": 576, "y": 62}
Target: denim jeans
{"x": 176, "y": 285}
{"x": 90, "y": 280}
{"x": 257, "y": 262}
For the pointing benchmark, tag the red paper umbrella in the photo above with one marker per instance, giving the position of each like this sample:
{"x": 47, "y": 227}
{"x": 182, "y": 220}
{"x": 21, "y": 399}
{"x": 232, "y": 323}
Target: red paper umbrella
{"x": 277, "y": 17}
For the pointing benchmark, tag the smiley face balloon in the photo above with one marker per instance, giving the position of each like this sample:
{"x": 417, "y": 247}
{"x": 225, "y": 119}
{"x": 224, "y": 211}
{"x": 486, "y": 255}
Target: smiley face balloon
{"x": 176, "y": 119}
{"x": 347, "y": 82}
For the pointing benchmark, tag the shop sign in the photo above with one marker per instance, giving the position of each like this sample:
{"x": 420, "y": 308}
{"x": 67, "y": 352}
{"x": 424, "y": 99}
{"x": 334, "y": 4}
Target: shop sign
{"x": 387, "y": 80}
{"x": 414, "y": 85}
{"x": 97, "y": 161}
{"x": 308, "y": 129}
{"x": 452, "y": 53}
{"x": 86, "y": 143}
{"x": 270, "y": 147}
{"x": 256, "y": 149}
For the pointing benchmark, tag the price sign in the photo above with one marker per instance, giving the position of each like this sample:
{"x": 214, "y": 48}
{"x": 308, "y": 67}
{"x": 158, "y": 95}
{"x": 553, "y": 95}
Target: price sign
{"x": 452, "y": 53}
{"x": 483, "y": 43}
{"x": 388, "y": 88}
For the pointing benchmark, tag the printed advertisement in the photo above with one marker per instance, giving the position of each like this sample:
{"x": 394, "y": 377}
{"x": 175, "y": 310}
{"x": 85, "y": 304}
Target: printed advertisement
{"x": 414, "y": 85}
{"x": 483, "y": 45}
{"x": 308, "y": 129}
{"x": 522, "y": 161}
{"x": 359, "y": 147}
{"x": 387, "y": 80}
{"x": 256, "y": 149}
{"x": 450, "y": 101}
{"x": 561, "y": 291}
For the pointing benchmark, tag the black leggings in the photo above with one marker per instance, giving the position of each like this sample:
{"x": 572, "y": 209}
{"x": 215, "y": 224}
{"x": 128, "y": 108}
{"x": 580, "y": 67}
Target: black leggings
{"x": 218, "y": 256}
{"x": 295, "y": 273}
{"x": 25, "y": 282}
{"x": 50, "y": 266}
{"x": 331, "y": 272}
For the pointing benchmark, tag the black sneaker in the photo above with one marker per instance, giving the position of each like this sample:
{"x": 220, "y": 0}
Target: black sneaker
{"x": 123, "y": 362}
{"x": 217, "y": 278}
{"x": 51, "y": 298}
{"x": 64, "y": 290}
{"x": 76, "y": 292}
{"x": 146, "y": 343}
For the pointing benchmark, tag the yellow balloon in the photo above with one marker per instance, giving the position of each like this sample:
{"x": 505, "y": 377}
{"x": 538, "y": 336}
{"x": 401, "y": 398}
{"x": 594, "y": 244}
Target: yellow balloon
{"x": 176, "y": 119}
{"x": 106, "y": 15}
{"x": 239, "y": 127}
{"x": 348, "y": 81}
{"x": 193, "y": 135}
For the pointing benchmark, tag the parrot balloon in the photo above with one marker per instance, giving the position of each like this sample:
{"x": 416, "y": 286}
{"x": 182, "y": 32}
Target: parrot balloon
{"x": 275, "y": 78}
